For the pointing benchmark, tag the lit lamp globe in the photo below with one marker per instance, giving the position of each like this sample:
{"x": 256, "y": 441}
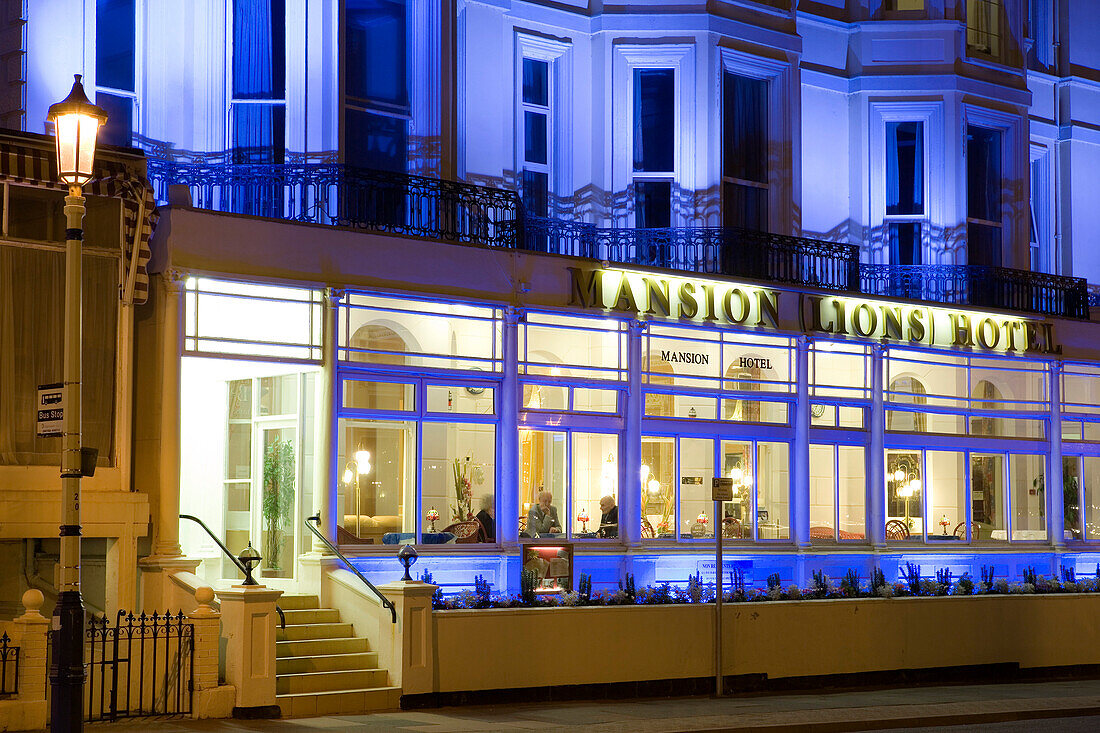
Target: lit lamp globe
{"x": 76, "y": 124}
{"x": 250, "y": 559}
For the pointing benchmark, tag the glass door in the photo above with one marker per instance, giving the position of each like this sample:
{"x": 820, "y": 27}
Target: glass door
{"x": 275, "y": 497}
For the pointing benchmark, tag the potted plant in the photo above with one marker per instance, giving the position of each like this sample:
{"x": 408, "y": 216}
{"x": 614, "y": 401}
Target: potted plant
{"x": 278, "y": 496}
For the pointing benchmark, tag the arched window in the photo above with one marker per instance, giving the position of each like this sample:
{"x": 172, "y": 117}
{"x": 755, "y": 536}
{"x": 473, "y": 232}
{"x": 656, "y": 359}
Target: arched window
{"x": 907, "y": 391}
{"x": 660, "y": 372}
{"x": 746, "y": 379}
{"x": 986, "y": 397}
{"x": 380, "y": 345}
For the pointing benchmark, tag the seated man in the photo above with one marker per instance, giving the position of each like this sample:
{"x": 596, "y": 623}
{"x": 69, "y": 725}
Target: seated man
{"x": 542, "y": 519}
{"x": 485, "y": 517}
{"x": 609, "y": 520}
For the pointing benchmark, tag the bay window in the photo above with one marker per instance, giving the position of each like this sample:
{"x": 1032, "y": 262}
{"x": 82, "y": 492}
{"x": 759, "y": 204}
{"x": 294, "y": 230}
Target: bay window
{"x": 654, "y": 136}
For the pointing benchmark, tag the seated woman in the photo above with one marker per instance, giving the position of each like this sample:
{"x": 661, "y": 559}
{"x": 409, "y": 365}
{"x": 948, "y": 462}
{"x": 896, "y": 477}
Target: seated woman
{"x": 485, "y": 516}
{"x": 542, "y": 519}
{"x": 609, "y": 519}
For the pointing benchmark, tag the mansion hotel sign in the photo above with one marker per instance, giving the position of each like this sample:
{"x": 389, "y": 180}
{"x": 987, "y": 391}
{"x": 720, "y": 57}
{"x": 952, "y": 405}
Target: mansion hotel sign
{"x": 713, "y": 301}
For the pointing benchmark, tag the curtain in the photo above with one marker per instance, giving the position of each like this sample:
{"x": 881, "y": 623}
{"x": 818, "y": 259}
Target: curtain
{"x": 259, "y": 72}
{"x": 654, "y": 120}
{"x": 32, "y": 299}
{"x": 904, "y": 168}
{"x": 745, "y": 123}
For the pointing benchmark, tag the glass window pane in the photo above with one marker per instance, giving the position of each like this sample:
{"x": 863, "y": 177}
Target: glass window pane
{"x": 377, "y": 498}
{"x": 595, "y": 505}
{"x": 542, "y": 482}
{"x": 115, "y": 43}
{"x": 469, "y": 400}
{"x": 240, "y": 399}
{"x": 822, "y": 493}
{"x": 278, "y": 499}
{"x": 258, "y": 133}
{"x": 1071, "y": 497}
{"x": 259, "y": 49}
{"x": 120, "y": 119}
{"x": 745, "y": 128}
{"x": 772, "y": 491}
{"x": 946, "y": 495}
{"x": 839, "y": 370}
{"x": 696, "y": 472}
{"x": 458, "y": 481}
{"x": 572, "y": 347}
{"x": 363, "y": 395}
{"x": 1026, "y": 477}
{"x": 987, "y": 496}
{"x": 737, "y": 464}
{"x": 850, "y": 417}
{"x": 983, "y": 245}
{"x": 905, "y": 168}
{"x": 1090, "y": 493}
{"x": 983, "y": 166}
{"x": 905, "y": 249}
{"x": 545, "y": 397}
{"x": 595, "y": 400}
{"x": 653, "y": 205}
{"x": 654, "y": 120}
{"x": 278, "y": 395}
{"x": 536, "y": 197}
{"x": 375, "y": 60}
{"x": 534, "y": 136}
{"x": 745, "y": 207}
{"x": 658, "y": 485}
{"x": 904, "y": 495}
{"x": 238, "y": 451}
{"x": 852, "y": 495}
{"x": 375, "y": 141}
{"x": 536, "y": 82}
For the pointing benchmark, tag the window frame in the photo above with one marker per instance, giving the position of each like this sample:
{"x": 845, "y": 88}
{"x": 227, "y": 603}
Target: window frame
{"x": 558, "y": 57}
{"x": 231, "y": 102}
{"x": 92, "y": 40}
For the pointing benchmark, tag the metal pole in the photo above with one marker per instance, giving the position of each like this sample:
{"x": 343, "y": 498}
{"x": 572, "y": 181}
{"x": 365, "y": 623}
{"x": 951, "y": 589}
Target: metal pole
{"x": 67, "y": 667}
{"x": 718, "y": 598}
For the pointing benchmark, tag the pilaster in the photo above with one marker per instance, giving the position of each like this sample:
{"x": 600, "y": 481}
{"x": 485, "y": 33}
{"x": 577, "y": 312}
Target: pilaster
{"x": 876, "y": 456}
{"x": 800, "y": 447}
{"x": 508, "y": 495}
{"x": 407, "y": 647}
{"x": 630, "y": 505}
{"x": 248, "y": 628}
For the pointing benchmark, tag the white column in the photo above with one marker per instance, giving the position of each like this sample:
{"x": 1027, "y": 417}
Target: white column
{"x": 167, "y": 529}
{"x": 508, "y": 493}
{"x": 800, "y": 449}
{"x": 630, "y": 504}
{"x": 324, "y": 450}
{"x": 1054, "y": 489}
{"x": 876, "y": 457}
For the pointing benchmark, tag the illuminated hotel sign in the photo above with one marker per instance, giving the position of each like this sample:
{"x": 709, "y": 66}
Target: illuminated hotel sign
{"x": 714, "y": 301}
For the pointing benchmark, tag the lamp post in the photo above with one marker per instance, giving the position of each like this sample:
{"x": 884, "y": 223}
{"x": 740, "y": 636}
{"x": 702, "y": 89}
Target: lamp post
{"x": 354, "y": 474}
{"x": 76, "y": 124}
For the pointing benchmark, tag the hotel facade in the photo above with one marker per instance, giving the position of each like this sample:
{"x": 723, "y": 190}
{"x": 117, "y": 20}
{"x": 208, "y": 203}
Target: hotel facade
{"x": 420, "y": 261}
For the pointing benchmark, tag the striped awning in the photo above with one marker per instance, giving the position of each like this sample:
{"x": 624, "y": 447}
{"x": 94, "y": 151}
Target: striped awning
{"x": 32, "y": 165}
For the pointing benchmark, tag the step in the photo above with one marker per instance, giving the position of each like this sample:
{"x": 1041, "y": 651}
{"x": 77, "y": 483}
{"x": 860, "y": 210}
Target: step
{"x": 312, "y": 647}
{"x": 308, "y": 704}
{"x": 314, "y": 631}
{"x": 326, "y": 662}
{"x": 332, "y": 681}
{"x": 298, "y": 602}
{"x": 298, "y": 616}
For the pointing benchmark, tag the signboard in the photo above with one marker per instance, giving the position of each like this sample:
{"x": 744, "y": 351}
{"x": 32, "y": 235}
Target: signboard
{"x": 721, "y": 489}
{"x": 51, "y": 410}
{"x": 691, "y": 480}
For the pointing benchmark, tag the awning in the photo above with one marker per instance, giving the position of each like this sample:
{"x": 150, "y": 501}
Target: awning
{"x": 30, "y": 165}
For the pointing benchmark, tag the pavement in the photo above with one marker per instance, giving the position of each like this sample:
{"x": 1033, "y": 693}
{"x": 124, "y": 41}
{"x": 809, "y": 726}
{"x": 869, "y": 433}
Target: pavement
{"x": 1039, "y": 706}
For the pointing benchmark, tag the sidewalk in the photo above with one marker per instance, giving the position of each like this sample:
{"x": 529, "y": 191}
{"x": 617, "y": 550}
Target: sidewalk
{"x": 916, "y": 707}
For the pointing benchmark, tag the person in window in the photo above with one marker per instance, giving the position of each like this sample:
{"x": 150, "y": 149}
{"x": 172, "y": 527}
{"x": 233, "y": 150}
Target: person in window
{"x": 543, "y": 517}
{"x": 485, "y": 517}
{"x": 609, "y": 520}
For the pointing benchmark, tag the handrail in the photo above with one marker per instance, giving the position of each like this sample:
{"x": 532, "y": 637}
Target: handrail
{"x": 231, "y": 556}
{"x": 386, "y": 602}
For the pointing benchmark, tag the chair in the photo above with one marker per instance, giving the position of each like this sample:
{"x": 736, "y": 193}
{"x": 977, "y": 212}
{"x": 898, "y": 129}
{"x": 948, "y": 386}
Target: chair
{"x": 732, "y": 529}
{"x": 467, "y": 532}
{"x": 975, "y": 531}
{"x": 896, "y": 530}
{"x": 648, "y": 533}
{"x": 821, "y": 533}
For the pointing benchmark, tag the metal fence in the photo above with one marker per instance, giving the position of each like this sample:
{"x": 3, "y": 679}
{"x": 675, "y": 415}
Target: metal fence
{"x": 9, "y": 667}
{"x": 337, "y": 195}
{"x": 139, "y": 666}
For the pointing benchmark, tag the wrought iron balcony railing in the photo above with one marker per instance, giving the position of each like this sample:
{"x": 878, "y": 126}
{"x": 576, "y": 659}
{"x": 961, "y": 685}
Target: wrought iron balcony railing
{"x": 337, "y": 195}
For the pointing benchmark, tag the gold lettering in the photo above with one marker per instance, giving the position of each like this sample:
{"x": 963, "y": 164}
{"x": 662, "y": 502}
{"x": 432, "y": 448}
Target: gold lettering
{"x": 917, "y": 329}
{"x": 767, "y": 305}
{"x": 1051, "y": 346}
{"x": 657, "y": 294}
{"x": 624, "y": 299}
{"x": 689, "y": 305}
{"x": 960, "y": 327}
{"x": 838, "y": 306}
{"x": 815, "y": 315}
{"x": 727, "y": 305}
{"x": 891, "y": 316}
{"x": 1031, "y": 335}
{"x": 984, "y": 325}
{"x": 857, "y": 321}
{"x": 711, "y": 296}
{"x": 1010, "y": 331}
{"x": 585, "y": 293}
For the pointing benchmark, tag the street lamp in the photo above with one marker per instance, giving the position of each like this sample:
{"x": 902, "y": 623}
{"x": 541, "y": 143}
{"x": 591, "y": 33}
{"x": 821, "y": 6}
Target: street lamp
{"x": 355, "y": 473}
{"x": 76, "y": 123}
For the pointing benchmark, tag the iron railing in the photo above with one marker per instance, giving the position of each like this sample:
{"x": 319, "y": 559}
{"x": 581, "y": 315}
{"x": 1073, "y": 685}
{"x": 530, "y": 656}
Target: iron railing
{"x": 333, "y": 194}
{"x": 386, "y": 602}
{"x": 9, "y": 667}
{"x": 980, "y": 286}
{"x": 139, "y": 666}
{"x": 232, "y": 557}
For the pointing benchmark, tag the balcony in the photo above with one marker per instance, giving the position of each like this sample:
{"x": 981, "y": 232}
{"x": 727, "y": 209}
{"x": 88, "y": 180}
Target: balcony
{"x": 336, "y": 195}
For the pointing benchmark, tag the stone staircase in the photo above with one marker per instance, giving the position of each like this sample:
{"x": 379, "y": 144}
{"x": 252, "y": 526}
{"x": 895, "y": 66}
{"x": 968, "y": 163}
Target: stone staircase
{"x": 322, "y": 668}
